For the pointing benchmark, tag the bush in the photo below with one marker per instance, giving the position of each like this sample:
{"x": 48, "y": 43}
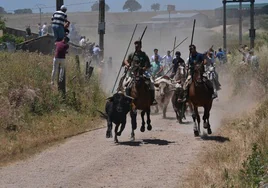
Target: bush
{"x": 11, "y": 38}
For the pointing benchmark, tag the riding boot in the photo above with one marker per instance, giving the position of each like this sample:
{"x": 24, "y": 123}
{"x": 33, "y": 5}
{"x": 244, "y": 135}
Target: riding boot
{"x": 128, "y": 91}
{"x": 153, "y": 98}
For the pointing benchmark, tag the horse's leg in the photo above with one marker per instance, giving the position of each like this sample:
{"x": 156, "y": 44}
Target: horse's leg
{"x": 205, "y": 118}
{"x": 142, "y": 121}
{"x": 149, "y": 126}
{"x": 156, "y": 109}
{"x": 115, "y": 133}
{"x": 197, "y": 117}
{"x": 133, "y": 115}
{"x": 164, "y": 111}
{"x": 109, "y": 128}
{"x": 194, "y": 116}
{"x": 208, "y": 114}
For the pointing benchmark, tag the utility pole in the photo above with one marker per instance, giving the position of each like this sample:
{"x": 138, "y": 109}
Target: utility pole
{"x": 40, "y": 6}
{"x": 101, "y": 28}
{"x": 61, "y": 83}
{"x": 252, "y": 30}
{"x": 240, "y": 23}
{"x": 224, "y": 24}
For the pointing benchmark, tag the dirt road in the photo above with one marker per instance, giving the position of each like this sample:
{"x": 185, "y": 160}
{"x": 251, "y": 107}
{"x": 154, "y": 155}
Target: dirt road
{"x": 156, "y": 159}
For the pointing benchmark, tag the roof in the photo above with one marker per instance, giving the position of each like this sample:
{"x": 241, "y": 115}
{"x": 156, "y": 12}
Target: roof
{"x": 244, "y": 6}
{"x": 174, "y": 16}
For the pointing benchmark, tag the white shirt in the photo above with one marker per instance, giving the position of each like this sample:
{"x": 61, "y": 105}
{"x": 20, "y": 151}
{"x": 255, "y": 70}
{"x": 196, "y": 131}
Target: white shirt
{"x": 96, "y": 50}
{"x": 44, "y": 29}
{"x": 153, "y": 57}
{"x": 82, "y": 42}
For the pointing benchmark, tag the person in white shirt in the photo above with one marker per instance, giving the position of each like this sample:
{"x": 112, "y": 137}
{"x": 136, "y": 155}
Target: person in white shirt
{"x": 44, "y": 29}
{"x": 156, "y": 54}
{"x": 82, "y": 41}
{"x": 167, "y": 62}
{"x": 96, "y": 54}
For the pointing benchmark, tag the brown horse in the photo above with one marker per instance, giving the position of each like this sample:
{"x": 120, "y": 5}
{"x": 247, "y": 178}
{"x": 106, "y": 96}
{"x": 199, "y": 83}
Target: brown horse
{"x": 200, "y": 95}
{"x": 142, "y": 101}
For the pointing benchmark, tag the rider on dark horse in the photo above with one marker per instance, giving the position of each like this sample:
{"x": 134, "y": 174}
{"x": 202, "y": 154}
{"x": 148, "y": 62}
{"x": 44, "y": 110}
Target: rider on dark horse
{"x": 195, "y": 59}
{"x": 138, "y": 63}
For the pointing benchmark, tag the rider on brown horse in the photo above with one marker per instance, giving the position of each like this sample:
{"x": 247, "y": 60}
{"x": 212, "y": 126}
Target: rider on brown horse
{"x": 138, "y": 62}
{"x": 195, "y": 59}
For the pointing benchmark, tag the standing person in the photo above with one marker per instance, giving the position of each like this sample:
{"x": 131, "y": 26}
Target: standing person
{"x": 59, "y": 59}
{"x": 221, "y": 56}
{"x": 44, "y": 29}
{"x": 110, "y": 63}
{"x": 28, "y": 32}
{"x": 59, "y": 18}
{"x": 177, "y": 61}
{"x": 156, "y": 54}
{"x": 157, "y": 68}
{"x": 96, "y": 54}
{"x": 167, "y": 62}
{"x": 39, "y": 29}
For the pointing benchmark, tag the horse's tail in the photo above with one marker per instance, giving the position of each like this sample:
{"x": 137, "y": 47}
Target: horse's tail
{"x": 103, "y": 115}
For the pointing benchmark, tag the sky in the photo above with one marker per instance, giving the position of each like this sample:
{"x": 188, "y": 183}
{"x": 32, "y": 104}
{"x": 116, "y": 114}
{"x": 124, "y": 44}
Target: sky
{"x": 115, "y": 5}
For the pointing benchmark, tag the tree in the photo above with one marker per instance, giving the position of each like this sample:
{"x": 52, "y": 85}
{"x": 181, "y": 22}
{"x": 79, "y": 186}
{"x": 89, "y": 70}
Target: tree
{"x": 2, "y": 10}
{"x": 132, "y": 5}
{"x": 155, "y": 6}
{"x": 95, "y": 7}
{"x": 23, "y": 11}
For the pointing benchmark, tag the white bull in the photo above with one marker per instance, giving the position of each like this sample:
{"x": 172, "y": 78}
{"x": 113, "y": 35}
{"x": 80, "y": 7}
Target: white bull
{"x": 163, "y": 93}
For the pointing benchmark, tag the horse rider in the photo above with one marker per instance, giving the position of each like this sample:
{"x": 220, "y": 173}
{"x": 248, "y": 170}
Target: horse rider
{"x": 209, "y": 61}
{"x": 177, "y": 62}
{"x": 195, "y": 59}
{"x": 138, "y": 63}
{"x": 221, "y": 56}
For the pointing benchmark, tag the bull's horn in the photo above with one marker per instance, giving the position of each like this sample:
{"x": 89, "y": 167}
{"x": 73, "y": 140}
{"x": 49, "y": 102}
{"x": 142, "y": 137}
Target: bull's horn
{"x": 129, "y": 97}
{"x": 109, "y": 98}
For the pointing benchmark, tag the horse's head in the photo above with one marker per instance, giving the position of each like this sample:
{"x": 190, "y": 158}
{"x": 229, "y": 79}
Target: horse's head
{"x": 198, "y": 72}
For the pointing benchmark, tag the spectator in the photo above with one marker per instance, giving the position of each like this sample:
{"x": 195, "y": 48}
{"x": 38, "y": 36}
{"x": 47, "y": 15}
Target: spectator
{"x": 59, "y": 19}
{"x": 44, "y": 29}
{"x": 59, "y": 59}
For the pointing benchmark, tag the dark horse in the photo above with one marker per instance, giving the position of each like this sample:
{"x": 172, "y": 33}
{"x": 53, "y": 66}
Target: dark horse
{"x": 142, "y": 101}
{"x": 200, "y": 95}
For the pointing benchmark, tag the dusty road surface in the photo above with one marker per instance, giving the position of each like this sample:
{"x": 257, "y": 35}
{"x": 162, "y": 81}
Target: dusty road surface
{"x": 158, "y": 158}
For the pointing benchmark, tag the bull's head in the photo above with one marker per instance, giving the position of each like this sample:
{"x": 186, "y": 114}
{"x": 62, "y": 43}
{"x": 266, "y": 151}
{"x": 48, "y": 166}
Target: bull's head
{"x": 162, "y": 86}
{"x": 121, "y": 103}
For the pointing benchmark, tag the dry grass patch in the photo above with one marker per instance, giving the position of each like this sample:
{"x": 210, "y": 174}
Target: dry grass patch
{"x": 33, "y": 114}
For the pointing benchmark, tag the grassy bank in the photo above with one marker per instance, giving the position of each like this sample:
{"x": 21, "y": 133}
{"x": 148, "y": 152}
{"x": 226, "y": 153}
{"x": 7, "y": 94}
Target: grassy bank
{"x": 243, "y": 160}
{"x": 32, "y": 112}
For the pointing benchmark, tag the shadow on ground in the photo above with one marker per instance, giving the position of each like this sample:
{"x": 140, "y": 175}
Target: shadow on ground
{"x": 220, "y": 139}
{"x": 157, "y": 142}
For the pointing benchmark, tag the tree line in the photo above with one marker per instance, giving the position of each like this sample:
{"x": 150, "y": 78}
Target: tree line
{"x": 130, "y": 5}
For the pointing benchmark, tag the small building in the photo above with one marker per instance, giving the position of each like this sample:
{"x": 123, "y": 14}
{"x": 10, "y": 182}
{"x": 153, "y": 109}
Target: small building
{"x": 232, "y": 10}
{"x": 179, "y": 20}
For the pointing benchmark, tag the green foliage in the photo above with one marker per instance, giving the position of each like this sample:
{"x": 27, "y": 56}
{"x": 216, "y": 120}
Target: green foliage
{"x": 2, "y": 23}
{"x": 254, "y": 168}
{"x": 132, "y": 5}
{"x": 155, "y": 6}
{"x": 23, "y": 11}
{"x": 11, "y": 38}
{"x": 95, "y": 7}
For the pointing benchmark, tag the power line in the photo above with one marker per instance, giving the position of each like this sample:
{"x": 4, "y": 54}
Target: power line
{"x": 48, "y": 7}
